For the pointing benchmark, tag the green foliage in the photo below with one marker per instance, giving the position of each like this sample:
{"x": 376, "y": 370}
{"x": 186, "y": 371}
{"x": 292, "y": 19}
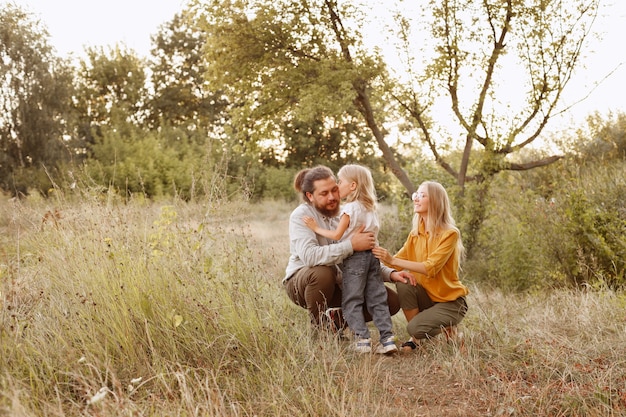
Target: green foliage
{"x": 602, "y": 139}
{"x": 279, "y": 95}
{"x": 575, "y": 236}
{"x": 35, "y": 91}
{"x": 277, "y": 184}
{"x": 561, "y": 225}
{"x": 110, "y": 90}
{"x": 290, "y": 92}
{"x": 152, "y": 164}
{"x": 595, "y": 221}
{"x": 25, "y": 181}
{"x": 512, "y": 250}
{"x": 477, "y": 47}
{"x": 181, "y": 95}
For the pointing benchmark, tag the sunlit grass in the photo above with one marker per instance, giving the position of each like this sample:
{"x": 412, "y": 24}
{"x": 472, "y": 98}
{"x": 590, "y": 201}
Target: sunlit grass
{"x": 178, "y": 309}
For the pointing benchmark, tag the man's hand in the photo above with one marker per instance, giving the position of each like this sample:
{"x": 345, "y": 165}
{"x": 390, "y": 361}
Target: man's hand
{"x": 362, "y": 240}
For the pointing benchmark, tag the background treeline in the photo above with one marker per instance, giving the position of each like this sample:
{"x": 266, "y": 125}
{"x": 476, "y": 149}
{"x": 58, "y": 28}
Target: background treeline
{"x": 177, "y": 124}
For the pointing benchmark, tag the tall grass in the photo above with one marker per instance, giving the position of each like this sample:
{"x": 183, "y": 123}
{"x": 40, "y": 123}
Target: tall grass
{"x": 177, "y": 309}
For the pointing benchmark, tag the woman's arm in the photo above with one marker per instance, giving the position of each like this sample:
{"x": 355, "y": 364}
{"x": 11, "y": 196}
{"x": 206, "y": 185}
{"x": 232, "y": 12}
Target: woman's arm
{"x": 435, "y": 261}
{"x": 384, "y": 256}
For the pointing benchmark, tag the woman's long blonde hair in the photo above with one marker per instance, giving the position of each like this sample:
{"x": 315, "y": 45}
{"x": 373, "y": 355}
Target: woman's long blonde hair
{"x": 365, "y": 191}
{"x": 439, "y": 216}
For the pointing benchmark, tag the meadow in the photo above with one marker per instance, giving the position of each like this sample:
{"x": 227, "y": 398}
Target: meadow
{"x": 111, "y": 308}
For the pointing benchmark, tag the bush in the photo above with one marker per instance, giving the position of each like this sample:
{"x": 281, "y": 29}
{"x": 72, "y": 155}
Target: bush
{"x": 277, "y": 184}
{"x": 147, "y": 163}
{"x": 577, "y": 236}
{"x": 24, "y": 181}
{"x": 592, "y": 207}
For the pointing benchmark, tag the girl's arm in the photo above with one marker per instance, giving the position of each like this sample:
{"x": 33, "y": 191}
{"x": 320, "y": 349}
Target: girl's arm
{"x": 336, "y": 234}
{"x": 310, "y": 249}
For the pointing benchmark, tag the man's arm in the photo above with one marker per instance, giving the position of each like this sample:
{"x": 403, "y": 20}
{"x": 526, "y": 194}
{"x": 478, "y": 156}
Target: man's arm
{"x": 362, "y": 240}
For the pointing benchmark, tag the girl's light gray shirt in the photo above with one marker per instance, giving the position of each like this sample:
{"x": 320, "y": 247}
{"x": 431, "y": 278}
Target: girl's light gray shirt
{"x": 359, "y": 216}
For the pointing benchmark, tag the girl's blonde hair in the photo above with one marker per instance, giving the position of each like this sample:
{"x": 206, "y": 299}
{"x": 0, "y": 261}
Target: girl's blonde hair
{"x": 365, "y": 191}
{"x": 439, "y": 216}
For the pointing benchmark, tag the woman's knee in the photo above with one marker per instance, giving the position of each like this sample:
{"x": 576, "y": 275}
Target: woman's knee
{"x": 419, "y": 329}
{"x": 423, "y": 326}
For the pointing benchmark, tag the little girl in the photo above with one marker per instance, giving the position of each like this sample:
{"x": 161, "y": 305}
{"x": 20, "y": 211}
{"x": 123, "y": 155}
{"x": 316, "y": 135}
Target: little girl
{"x": 362, "y": 280}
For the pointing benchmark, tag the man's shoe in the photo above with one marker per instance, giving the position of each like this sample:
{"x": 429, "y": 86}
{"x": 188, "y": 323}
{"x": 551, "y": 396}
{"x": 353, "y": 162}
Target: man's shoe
{"x": 387, "y": 346}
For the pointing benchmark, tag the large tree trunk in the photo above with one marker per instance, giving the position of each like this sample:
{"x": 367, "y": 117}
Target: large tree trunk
{"x": 472, "y": 211}
{"x": 365, "y": 108}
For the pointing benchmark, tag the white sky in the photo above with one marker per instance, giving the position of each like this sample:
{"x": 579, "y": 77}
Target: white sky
{"x": 75, "y": 24}
{"x": 603, "y": 74}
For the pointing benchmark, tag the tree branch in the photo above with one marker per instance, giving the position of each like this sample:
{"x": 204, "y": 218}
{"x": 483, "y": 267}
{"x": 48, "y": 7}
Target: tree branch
{"x": 363, "y": 104}
{"x": 414, "y": 111}
{"x": 534, "y": 164}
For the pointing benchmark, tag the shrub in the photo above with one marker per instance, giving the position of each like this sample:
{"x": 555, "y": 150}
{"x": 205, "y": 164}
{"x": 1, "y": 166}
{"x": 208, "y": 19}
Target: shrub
{"x": 577, "y": 236}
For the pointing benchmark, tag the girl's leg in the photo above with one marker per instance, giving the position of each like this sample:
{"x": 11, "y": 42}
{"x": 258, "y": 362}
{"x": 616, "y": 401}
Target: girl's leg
{"x": 392, "y": 301}
{"x": 353, "y": 295}
{"x": 376, "y": 298}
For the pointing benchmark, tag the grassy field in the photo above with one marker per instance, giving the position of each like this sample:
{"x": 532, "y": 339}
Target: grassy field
{"x": 175, "y": 309}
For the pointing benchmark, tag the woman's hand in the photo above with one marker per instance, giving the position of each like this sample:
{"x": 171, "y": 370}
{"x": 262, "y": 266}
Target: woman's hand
{"x": 383, "y": 255}
{"x": 404, "y": 277}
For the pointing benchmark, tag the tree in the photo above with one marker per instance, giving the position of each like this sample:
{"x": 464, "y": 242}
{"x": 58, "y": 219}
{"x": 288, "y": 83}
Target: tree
{"x": 296, "y": 57}
{"x": 182, "y": 97}
{"x": 35, "y": 87}
{"x": 110, "y": 91}
{"x": 538, "y": 44}
{"x": 287, "y": 90}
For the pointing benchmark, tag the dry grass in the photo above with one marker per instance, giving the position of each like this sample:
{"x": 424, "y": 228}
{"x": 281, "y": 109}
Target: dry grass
{"x": 154, "y": 309}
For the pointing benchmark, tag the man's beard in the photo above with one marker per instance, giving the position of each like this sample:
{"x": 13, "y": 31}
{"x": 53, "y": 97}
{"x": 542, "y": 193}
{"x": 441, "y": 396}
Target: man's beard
{"x": 328, "y": 213}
